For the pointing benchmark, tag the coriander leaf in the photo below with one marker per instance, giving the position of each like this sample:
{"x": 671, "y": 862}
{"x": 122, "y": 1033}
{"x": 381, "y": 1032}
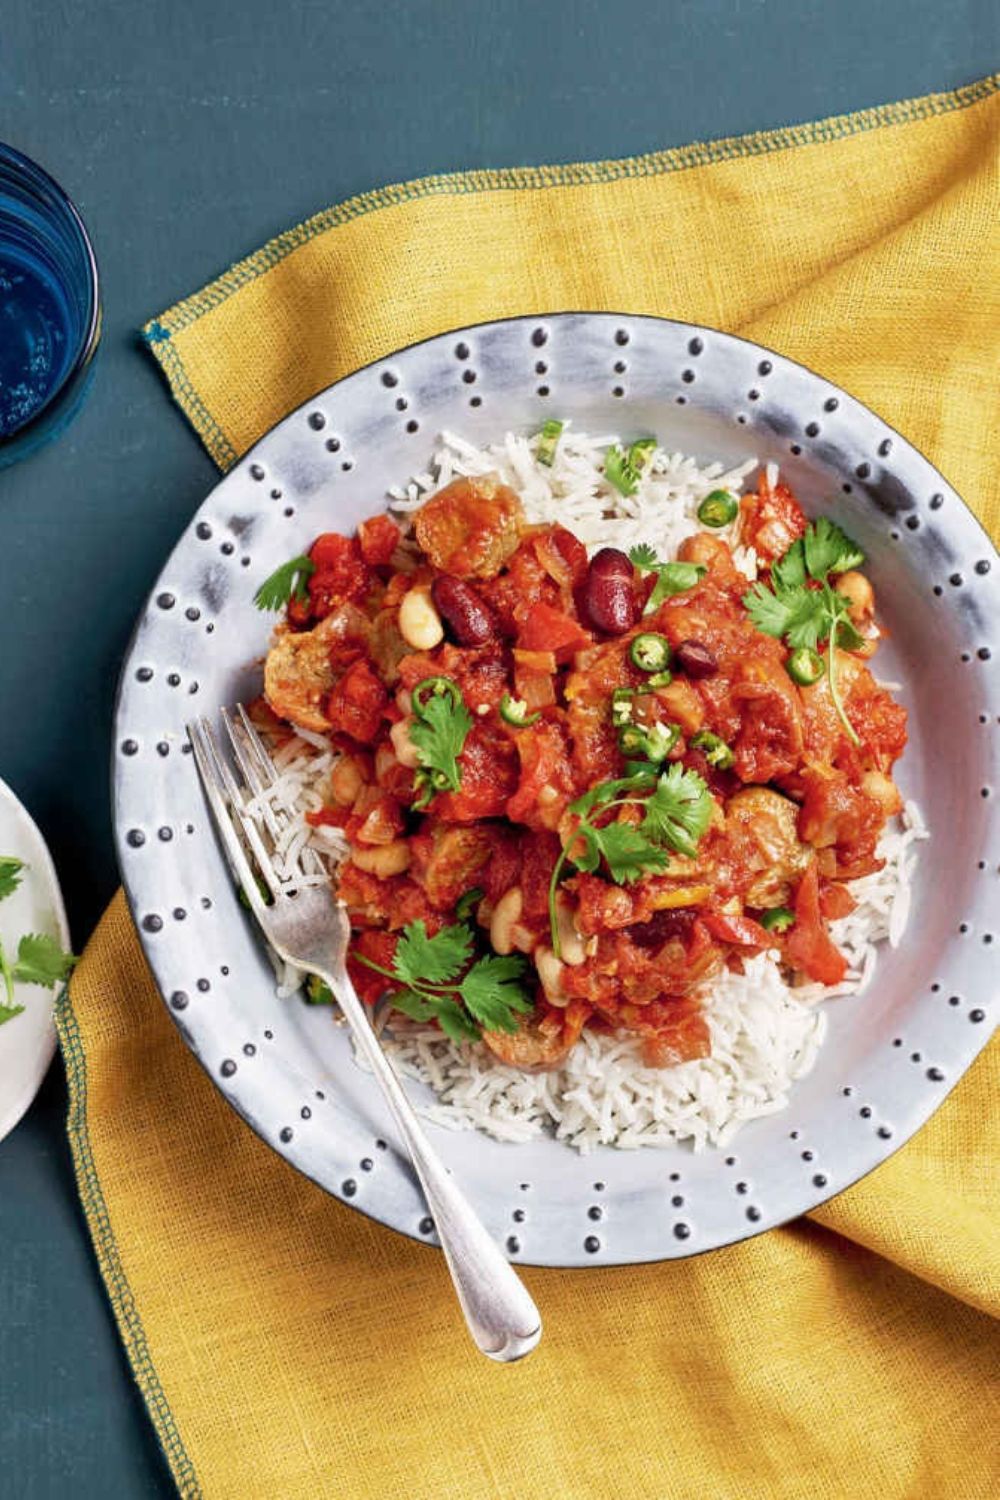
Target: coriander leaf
{"x": 807, "y": 623}
{"x": 607, "y": 791}
{"x": 643, "y": 556}
{"x": 492, "y": 992}
{"x": 420, "y": 959}
{"x": 619, "y": 472}
{"x": 8, "y": 1012}
{"x": 589, "y": 857}
{"x": 628, "y": 852}
{"x": 674, "y": 578}
{"x": 285, "y": 583}
{"x": 438, "y": 732}
{"x": 768, "y": 610}
{"x": 456, "y": 1022}
{"x": 10, "y": 874}
{"x": 793, "y": 612}
{"x": 417, "y": 1007}
{"x": 679, "y": 811}
{"x": 839, "y": 625}
{"x": 789, "y": 572}
{"x": 40, "y": 960}
{"x": 827, "y": 549}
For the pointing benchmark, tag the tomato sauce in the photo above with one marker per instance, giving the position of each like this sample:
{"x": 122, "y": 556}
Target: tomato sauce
{"x": 796, "y": 806}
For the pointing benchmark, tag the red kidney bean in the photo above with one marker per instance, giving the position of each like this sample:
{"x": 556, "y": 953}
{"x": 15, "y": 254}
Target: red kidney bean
{"x": 662, "y": 926}
{"x": 696, "y": 659}
{"x": 467, "y": 619}
{"x": 609, "y": 596}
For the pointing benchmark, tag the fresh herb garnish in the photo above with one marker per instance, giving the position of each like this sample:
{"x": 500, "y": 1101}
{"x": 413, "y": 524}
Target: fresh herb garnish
{"x": 286, "y": 583}
{"x": 674, "y": 818}
{"x": 671, "y": 578}
{"x": 679, "y": 811}
{"x": 441, "y": 722}
{"x": 489, "y": 995}
{"x": 623, "y": 470}
{"x": 795, "y": 610}
{"x": 40, "y": 960}
{"x": 643, "y": 556}
{"x": 10, "y": 874}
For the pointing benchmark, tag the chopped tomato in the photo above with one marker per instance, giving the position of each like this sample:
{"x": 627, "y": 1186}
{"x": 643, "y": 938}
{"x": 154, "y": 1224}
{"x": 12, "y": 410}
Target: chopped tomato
{"x": 836, "y": 901}
{"x": 807, "y": 945}
{"x": 546, "y": 629}
{"x": 771, "y": 520}
{"x": 489, "y": 776}
{"x": 357, "y": 703}
{"x": 379, "y": 948}
{"x": 682, "y": 1038}
{"x": 546, "y": 784}
{"x": 341, "y": 575}
{"x": 742, "y": 932}
{"x": 562, "y": 556}
{"x": 378, "y": 538}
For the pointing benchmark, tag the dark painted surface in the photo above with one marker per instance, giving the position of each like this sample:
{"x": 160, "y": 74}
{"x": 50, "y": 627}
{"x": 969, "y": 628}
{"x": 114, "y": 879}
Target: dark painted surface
{"x": 188, "y": 135}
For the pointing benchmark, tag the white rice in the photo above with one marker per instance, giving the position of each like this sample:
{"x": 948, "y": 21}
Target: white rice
{"x": 765, "y": 1032}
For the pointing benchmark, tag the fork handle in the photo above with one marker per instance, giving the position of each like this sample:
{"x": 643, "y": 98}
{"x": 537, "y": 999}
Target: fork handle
{"x": 501, "y": 1316}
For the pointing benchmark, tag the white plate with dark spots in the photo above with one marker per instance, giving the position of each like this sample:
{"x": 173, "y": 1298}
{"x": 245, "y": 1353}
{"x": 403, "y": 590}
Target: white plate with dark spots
{"x": 891, "y": 1055}
{"x": 35, "y": 905}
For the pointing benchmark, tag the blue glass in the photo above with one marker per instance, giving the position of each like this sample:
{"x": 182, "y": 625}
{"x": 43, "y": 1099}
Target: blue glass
{"x": 50, "y": 309}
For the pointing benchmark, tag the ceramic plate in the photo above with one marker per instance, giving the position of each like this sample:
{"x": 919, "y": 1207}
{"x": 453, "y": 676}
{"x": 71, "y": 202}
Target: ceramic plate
{"x": 27, "y": 1041}
{"x": 890, "y": 1056}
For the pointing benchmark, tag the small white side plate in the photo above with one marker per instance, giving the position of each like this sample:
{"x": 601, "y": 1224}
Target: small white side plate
{"x": 28, "y": 1041}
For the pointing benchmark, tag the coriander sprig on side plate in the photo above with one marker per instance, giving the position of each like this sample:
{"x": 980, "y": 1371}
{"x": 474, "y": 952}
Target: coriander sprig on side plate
{"x": 39, "y": 958}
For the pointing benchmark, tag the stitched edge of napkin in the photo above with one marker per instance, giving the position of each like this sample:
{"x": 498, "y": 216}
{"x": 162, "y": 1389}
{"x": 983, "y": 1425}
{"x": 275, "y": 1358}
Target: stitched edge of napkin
{"x": 158, "y": 332}
{"x": 95, "y": 1210}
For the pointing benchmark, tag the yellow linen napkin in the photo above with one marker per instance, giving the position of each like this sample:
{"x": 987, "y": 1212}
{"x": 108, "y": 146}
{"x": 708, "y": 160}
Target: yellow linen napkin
{"x": 286, "y": 1346}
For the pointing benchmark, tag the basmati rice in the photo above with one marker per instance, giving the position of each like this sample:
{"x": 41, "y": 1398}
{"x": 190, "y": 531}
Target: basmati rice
{"x": 765, "y": 1032}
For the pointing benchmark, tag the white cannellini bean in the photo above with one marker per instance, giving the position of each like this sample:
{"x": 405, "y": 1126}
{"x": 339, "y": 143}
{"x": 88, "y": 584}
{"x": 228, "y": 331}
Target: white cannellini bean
{"x": 522, "y": 938}
{"x": 550, "y": 973}
{"x": 384, "y": 860}
{"x": 419, "y": 622}
{"x": 406, "y": 750}
{"x": 506, "y": 914}
{"x": 570, "y": 942}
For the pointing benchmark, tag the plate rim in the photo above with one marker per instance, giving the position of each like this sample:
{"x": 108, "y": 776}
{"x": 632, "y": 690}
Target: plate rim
{"x": 818, "y": 1197}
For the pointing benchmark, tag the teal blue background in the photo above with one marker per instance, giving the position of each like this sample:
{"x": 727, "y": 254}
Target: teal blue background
{"x": 188, "y": 135}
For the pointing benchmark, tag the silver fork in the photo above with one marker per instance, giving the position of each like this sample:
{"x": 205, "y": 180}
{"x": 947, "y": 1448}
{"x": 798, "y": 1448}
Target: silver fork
{"x": 306, "y": 927}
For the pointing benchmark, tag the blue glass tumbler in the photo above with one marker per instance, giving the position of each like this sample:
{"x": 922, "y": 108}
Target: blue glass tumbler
{"x": 50, "y": 307}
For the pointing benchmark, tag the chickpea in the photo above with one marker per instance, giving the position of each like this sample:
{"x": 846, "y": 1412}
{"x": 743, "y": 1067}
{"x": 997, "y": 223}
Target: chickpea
{"x": 419, "y": 622}
{"x": 860, "y": 596}
{"x": 345, "y": 781}
{"x": 506, "y": 914}
{"x": 702, "y": 548}
{"x": 406, "y": 750}
{"x": 384, "y": 860}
